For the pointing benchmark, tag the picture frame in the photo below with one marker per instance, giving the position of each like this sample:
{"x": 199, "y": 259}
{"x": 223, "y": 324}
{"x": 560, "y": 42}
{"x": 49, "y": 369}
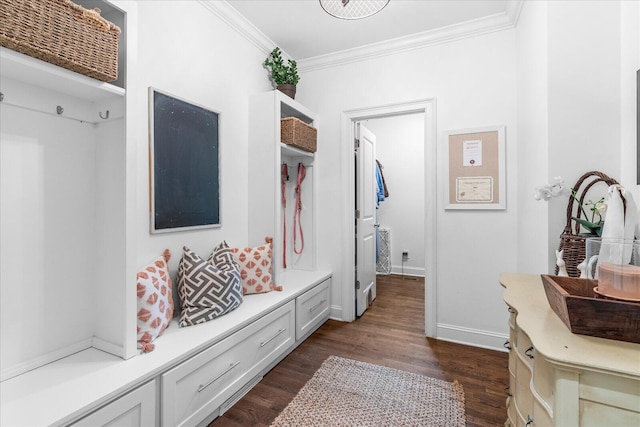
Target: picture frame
{"x": 184, "y": 164}
{"x": 474, "y": 170}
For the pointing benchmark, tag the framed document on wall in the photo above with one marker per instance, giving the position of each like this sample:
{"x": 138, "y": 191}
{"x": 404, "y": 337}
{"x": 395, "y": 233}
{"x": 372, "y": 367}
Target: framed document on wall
{"x": 475, "y": 168}
{"x": 184, "y": 165}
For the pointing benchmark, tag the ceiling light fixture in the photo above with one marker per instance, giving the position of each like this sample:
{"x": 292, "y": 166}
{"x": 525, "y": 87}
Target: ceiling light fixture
{"x": 353, "y": 9}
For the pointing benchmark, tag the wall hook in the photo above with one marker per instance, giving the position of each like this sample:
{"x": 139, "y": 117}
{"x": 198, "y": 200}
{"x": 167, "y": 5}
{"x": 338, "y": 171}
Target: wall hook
{"x": 105, "y": 117}
{"x": 59, "y": 110}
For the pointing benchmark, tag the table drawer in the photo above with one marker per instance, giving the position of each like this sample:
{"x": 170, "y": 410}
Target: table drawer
{"x": 312, "y": 309}
{"x": 196, "y": 388}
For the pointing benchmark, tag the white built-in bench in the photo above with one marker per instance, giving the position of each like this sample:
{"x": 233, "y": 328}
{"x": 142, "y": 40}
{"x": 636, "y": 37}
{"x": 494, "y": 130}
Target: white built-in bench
{"x": 193, "y": 375}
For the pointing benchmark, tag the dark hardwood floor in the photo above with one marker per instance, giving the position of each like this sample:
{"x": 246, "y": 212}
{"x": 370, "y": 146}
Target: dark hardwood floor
{"x": 390, "y": 333}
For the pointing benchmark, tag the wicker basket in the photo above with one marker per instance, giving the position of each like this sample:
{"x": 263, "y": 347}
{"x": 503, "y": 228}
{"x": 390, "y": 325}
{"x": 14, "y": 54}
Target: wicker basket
{"x": 571, "y": 242}
{"x": 297, "y": 133}
{"x": 62, "y": 33}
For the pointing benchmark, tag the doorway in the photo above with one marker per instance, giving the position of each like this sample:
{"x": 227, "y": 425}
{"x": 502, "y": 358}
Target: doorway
{"x": 400, "y": 210}
{"x": 349, "y": 118}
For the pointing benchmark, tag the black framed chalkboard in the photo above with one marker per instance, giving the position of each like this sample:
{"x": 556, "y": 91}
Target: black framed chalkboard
{"x": 184, "y": 164}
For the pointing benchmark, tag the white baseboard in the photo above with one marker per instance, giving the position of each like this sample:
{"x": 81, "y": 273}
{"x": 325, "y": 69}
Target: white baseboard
{"x": 21, "y": 368}
{"x": 470, "y": 336}
{"x": 107, "y": 347}
{"x": 408, "y": 271}
{"x": 336, "y": 313}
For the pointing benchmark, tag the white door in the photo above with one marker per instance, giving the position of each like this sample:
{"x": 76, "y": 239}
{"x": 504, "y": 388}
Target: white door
{"x": 365, "y": 218}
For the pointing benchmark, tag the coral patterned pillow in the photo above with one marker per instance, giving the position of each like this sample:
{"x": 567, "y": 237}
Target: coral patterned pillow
{"x": 155, "y": 301}
{"x": 255, "y": 268}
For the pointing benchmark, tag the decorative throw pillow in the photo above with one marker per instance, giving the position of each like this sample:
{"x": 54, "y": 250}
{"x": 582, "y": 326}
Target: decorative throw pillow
{"x": 222, "y": 258}
{"x": 255, "y": 268}
{"x": 205, "y": 290}
{"x": 155, "y": 301}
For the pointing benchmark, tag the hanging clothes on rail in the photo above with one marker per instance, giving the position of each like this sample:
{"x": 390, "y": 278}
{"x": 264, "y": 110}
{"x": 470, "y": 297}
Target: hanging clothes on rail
{"x": 382, "y": 193}
{"x": 381, "y": 185}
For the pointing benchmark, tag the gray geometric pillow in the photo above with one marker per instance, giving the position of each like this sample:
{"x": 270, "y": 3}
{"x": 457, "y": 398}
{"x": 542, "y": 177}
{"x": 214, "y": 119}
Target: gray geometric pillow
{"x": 205, "y": 290}
{"x": 223, "y": 258}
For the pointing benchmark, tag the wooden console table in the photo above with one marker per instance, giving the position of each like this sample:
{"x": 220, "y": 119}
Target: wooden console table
{"x": 558, "y": 378}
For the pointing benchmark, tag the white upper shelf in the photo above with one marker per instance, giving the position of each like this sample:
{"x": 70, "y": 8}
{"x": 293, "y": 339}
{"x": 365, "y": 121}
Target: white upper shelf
{"x": 33, "y": 71}
{"x": 289, "y": 150}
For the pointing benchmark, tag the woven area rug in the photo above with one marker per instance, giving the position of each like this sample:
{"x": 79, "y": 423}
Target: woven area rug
{"x": 346, "y": 392}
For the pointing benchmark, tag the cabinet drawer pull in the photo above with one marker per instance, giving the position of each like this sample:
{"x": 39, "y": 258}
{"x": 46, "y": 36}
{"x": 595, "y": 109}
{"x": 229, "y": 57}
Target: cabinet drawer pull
{"x": 202, "y": 387}
{"x": 311, "y": 310}
{"x": 507, "y": 391}
{"x": 507, "y": 345}
{"x": 529, "y": 421}
{"x": 528, "y": 352}
{"x": 262, "y": 344}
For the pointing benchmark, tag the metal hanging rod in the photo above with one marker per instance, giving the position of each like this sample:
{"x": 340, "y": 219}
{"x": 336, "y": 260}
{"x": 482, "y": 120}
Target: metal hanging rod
{"x": 58, "y": 113}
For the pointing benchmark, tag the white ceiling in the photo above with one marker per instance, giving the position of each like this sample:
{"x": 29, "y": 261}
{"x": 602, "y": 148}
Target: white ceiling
{"x": 304, "y": 30}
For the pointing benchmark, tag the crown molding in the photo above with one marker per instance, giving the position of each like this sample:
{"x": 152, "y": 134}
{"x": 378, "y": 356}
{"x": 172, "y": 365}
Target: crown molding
{"x": 244, "y": 27}
{"x": 514, "y": 7}
{"x": 476, "y": 27}
{"x": 498, "y": 22}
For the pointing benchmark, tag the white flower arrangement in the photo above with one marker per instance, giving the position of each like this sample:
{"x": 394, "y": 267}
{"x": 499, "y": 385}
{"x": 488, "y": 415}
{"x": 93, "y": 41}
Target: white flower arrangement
{"x": 598, "y": 209}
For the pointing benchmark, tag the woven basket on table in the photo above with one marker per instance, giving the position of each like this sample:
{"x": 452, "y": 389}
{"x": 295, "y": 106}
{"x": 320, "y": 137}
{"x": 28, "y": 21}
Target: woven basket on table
{"x": 297, "y": 133}
{"x": 571, "y": 242}
{"x": 62, "y": 33}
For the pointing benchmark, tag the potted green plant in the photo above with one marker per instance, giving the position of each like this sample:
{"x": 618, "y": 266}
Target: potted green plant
{"x": 284, "y": 75}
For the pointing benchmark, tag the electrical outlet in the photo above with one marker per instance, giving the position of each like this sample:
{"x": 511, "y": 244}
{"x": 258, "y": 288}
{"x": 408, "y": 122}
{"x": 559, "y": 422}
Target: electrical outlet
{"x": 405, "y": 255}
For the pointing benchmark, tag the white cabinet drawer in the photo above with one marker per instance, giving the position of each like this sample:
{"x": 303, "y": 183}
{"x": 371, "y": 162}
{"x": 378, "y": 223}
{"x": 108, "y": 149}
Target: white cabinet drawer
{"x": 312, "y": 309}
{"x": 135, "y": 409}
{"x": 196, "y": 388}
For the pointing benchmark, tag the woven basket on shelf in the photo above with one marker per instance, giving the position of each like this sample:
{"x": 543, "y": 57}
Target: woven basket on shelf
{"x": 571, "y": 242}
{"x": 62, "y": 33}
{"x": 297, "y": 133}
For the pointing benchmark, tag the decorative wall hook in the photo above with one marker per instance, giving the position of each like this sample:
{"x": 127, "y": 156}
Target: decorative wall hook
{"x": 59, "y": 110}
{"x": 105, "y": 117}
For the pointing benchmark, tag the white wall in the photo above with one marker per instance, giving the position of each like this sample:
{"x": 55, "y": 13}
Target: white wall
{"x": 630, "y": 53}
{"x": 558, "y": 122}
{"x": 400, "y": 150}
{"x": 584, "y": 96}
{"x": 562, "y": 84}
{"x": 474, "y": 82}
{"x": 533, "y": 137}
{"x": 576, "y": 108}
{"x": 47, "y": 230}
{"x": 186, "y": 50}
{"x": 64, "y": 185}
